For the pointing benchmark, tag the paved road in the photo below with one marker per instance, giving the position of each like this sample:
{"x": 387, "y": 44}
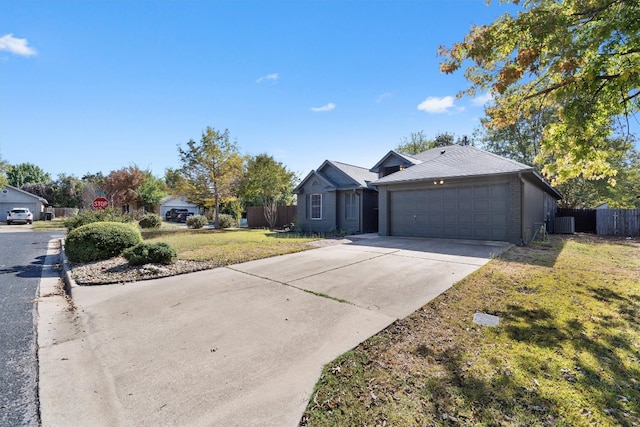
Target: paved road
{"x": 21, "y": 260}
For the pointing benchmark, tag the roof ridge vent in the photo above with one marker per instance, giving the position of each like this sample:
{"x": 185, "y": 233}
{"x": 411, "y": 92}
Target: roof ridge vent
{"x": 443, "y": 151}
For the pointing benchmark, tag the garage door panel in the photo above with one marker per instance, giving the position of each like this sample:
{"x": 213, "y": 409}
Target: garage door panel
{"x": 450, "y": 205}
{"x": 481, "y": 192}
{"x": 498, "y": 205}
{"x": 498, "y": 219}
{"x": 472, "y": 211}
{"x": 483, "y": 220}
{"x": 481, "y": 205}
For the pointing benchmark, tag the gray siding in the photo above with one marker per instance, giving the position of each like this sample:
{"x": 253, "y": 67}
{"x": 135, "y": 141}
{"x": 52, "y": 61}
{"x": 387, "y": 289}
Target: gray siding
{"x": 533, "y": 210}
{"x": 326, "y": 223}
{"x": 10, "y": 198}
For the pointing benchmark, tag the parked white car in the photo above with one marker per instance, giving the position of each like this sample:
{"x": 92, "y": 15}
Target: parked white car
{"x": 16, "y": 215}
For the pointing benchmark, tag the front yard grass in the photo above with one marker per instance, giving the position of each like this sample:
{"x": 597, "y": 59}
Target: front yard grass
{"x": 54, "y": 224}
{"x": 566, "y": 351}
{"x": 225, "y": 247}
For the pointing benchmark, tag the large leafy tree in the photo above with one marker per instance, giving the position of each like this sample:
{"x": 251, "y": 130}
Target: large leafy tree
{"x": 417, "y": 142}
{"x": 268, "y": 183}
{"x": 521, "y": 142}
{"x": 151, "y": 191}
{"x": 579, "y": 57}
{"x": 68, "y": 190}
{"x": 4, "y": 167}
{"x": 174, "y": 181}
{"x": 27, "y": 173}
{"x": 122, "y": 185}
{"x": 212, "y": 169}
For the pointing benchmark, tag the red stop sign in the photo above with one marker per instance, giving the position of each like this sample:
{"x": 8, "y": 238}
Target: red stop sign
{"x": 100, "y": 203}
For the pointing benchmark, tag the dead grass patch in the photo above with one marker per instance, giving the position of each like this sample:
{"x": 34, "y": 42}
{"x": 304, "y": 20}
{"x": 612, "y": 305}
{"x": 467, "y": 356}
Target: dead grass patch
{"x": 566, "y": 352}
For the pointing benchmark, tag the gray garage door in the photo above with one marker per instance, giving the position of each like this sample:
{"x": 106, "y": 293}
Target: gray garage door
{"x": 468, "y": 212}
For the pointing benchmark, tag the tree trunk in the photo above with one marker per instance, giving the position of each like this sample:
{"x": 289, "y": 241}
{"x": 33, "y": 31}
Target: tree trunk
{"x": 270, "y": 206}
{"x": 216, "y": 224}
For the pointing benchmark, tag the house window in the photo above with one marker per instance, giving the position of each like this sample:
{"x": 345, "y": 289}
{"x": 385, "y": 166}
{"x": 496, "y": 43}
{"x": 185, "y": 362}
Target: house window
{"x": 316, "y": 206}
{"x": 350, "y": 206}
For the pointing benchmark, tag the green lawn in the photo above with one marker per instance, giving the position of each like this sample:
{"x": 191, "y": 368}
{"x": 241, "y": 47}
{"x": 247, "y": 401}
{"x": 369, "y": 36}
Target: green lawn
{"x": 224, "y": 247}
{"x": 55, "y": 224}
{"x": 566, "y": 352}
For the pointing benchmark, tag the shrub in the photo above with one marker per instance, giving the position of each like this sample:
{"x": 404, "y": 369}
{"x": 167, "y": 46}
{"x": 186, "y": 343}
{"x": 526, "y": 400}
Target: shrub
{"x": 150, "y": 220}
{"x": 91, "y": 216}
{"x": 100, "y": 240}
{"x": 150, "y": 253}
{"x": 197, "y": 221}
{"x": 226, "y": 221}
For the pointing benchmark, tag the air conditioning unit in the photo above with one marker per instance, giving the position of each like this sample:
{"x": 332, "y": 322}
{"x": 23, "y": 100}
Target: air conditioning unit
{"x": 564, "y": 225}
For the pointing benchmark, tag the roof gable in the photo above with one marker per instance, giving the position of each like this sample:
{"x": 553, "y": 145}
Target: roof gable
{"x": 313, "y": 174}
{"x": 176, "y": 201}
{"x": 339, "y": 176}
{"x": 393, "y": 158}
{"x": 455, "y": 161}
{"x": 356, "y": 174}
{"x": 11, "y": 188}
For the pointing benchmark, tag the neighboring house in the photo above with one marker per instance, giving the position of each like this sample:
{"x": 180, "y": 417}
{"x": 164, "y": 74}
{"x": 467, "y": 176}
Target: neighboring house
{"x": 12, "y": 197}
{"x": 338, "y": 197}
{"x": 456, "y": 192}
{"x": 177, "y": 202}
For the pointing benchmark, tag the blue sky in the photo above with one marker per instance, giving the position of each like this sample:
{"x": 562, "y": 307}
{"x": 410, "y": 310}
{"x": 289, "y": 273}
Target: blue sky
{"x": 89, "y": 86}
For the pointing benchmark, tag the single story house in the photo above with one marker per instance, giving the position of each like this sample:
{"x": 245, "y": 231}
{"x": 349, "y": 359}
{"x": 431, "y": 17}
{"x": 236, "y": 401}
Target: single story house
{"x": 456, "y": 191}
{"x": 338, "y": 196}
{"x": 177, "y": 202}
{"x": 13, "y": 197}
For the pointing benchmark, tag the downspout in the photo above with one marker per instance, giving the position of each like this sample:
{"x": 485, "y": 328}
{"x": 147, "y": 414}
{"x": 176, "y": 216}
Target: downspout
{"x": 522, "y": 239}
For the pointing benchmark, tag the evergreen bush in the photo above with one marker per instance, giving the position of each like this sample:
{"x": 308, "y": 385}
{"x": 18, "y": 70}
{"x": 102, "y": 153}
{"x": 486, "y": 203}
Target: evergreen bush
{"x": 150, "y": 220}
{"x": 100, "y": 240}
{"x": 197, "y": 221}
{"x": 226, "y": 221}
{"x": 150, "y": 253}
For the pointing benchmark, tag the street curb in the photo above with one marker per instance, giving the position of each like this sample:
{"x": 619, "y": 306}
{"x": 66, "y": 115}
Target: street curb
{"x": 69, "y": 283}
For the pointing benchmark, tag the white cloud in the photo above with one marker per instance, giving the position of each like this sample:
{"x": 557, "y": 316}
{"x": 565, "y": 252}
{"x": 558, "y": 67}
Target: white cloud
{"x": 383, "y": 97}
{"x": 436, "y": 105}
{"x": 273, "y": 77}
{"x": 330, "y": 106}
{"x": 479, "y": 101}
{"x": 16, "y": 46}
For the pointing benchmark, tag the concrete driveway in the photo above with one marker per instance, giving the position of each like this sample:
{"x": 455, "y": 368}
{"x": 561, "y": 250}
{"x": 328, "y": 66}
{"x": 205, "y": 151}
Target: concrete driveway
{"x": 236, "y": 346}
{"x": 15, "y": 228}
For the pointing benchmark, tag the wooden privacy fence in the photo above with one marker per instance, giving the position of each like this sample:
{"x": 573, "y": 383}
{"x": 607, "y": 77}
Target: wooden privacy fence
{"x": 604, "y": 222}
{"x": 63, "y": 212}
{"x": 256, "y": 219}
{"x": 585, "y": 219}
{"x": 618, "y": 222}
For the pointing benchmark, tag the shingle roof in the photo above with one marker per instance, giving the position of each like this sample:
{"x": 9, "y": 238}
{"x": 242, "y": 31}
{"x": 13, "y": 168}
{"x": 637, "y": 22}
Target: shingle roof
{"x": 454, "y": 161}
{"x": 361, "y": 175}
{"x": 409, "y": 159}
